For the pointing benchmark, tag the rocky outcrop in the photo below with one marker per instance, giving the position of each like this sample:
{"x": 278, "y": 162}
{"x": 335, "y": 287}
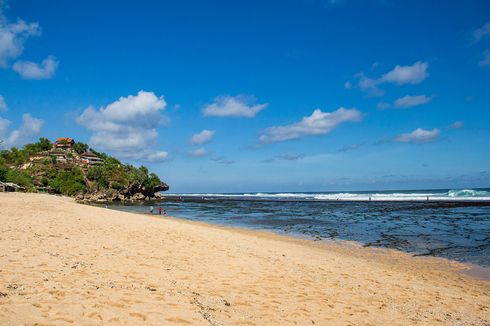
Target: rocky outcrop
{"x": 161, "y": 187}
{"x": 124, "y": 195}
{"x": 138, "y": 196}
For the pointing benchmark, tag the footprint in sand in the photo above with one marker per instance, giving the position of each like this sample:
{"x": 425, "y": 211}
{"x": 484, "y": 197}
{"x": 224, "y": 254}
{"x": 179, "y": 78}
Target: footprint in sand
{"x": 95, "y": 315}
{"x": 138, "y": 315}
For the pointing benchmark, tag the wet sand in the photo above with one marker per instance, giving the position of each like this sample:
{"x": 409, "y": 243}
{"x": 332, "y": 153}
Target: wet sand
{"x": 66, "y": 263}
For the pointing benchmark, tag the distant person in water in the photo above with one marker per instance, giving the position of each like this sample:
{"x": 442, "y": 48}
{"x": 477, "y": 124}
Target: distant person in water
{"x": 151, "y": 209}
{"x": 159, "y": 210}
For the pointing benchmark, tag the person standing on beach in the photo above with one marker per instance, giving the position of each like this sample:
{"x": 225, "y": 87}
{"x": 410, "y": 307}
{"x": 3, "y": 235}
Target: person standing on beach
{"x": 160, "y": 210}
{"x": 151, "y": 209}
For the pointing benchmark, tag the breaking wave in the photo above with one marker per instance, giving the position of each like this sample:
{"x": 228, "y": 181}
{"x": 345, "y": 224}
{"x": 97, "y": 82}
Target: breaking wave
{"x": 468, "y": 193}
{"x": 449, "y": 195}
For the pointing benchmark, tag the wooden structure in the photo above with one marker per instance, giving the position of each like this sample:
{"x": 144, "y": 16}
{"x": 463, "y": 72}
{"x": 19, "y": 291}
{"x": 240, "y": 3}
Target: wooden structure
{"x": 64, "y": 143}
{"x": 90, "y": 158}
{"x": 60, "y": 156}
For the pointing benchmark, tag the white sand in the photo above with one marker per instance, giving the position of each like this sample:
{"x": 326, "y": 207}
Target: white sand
{"x": 66, "y": 263}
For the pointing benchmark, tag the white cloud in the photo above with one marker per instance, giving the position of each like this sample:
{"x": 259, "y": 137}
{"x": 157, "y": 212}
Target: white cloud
{"x": 419, "y": 135}
{"x": 456, "y": 125}
{"x": 157, "y": 156}
{"x": 485, "y": 61}
{"x": 3, "y": 104}
{"x": 369, "y": 85}
{"x": 285, "y": 157}
{"x": 32, "y": 70}
{"x": 409, "y": 101}
{"x": 400, "y": 75}
{"x": 127, "y": 126}
{"x": 481, "y": 32}
{"x": 148, "y": 156}
{"x": 318, "y": 123}
{"x": 4, "y": 125}
{"x": 203, "y": 137}
{"x": 233, "y": 106}
{"x": 29, "y": 128}
{"x": 228, "y": 162}
{"x": 413, "y": 74}
{"x": 348, "y": 148}
{"x": 12, "y": 38}
{"x": 200, "y": 152}
{"x": 222, "y": 160}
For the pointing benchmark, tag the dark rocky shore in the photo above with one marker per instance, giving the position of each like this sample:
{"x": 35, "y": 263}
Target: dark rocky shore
{"x": 130, "y": 194}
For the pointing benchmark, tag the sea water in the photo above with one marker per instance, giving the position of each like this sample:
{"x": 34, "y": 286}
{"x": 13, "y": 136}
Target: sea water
{"x": 454, "y": 224}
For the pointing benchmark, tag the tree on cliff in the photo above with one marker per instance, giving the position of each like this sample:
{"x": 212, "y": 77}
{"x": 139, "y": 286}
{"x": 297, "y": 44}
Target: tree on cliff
{"x": 31, "y": 167}
{"x": 80, "y": 147}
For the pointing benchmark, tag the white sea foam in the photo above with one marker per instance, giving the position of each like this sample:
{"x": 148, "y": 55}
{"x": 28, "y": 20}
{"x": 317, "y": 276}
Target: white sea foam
{"x": 450, "y": 195}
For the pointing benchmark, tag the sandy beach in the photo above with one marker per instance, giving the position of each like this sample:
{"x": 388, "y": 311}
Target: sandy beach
{"x": 65, "y": 263}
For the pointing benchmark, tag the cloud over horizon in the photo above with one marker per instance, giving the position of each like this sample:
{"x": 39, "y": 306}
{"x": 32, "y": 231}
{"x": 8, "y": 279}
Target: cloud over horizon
{"x": 29, "y": 128}
{"x": 348, "y": 148}
{"x": 202, "y": 137}
{"x": 222, "y": 160}
{"x": 318, "y": 123}
{"x": 31, "y": 70}
{"x": 456, "y": 125}
{"x": 419, "y": 135}
{"x": 285, "y": 157}
{"x": 233, "y": 106}
{"x": 414, "y": 74}
{"x": 13, "y": 37}
{"x": 399, "y": 75}
{"x": 200, "y": 152}
{"x": 127, "y": 126}
{"x": 409, "y": 101}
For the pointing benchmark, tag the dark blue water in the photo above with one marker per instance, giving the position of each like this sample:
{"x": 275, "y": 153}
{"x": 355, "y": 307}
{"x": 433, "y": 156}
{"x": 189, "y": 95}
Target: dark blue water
{"x": 454, "y": 230}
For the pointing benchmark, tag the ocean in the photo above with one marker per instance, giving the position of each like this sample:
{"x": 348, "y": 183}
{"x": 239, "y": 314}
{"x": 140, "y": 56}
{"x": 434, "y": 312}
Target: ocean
{"x": 449, "y": 223}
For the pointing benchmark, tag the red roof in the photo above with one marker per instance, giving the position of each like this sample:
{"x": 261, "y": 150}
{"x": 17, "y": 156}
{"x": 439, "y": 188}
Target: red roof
{"x": 69, "y": 140}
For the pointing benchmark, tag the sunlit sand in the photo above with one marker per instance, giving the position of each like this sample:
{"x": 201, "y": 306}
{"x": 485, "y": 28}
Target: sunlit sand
{"x": 67, "y": 263}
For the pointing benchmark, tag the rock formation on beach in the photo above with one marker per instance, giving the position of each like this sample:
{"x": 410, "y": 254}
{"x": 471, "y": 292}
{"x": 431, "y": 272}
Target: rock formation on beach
{"x": 73, "y": 169}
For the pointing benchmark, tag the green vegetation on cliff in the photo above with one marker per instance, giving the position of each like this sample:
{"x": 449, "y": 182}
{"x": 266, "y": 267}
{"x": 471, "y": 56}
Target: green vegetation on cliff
{"x": 76, "y": 170}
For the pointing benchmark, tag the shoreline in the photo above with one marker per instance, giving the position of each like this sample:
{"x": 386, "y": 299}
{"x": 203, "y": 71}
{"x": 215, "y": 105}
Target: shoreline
{"x": 105, "y": 266}
{"x": 482, "y": 266}
{"x": 468, "y": 269}
{"x": 457, "y": 201}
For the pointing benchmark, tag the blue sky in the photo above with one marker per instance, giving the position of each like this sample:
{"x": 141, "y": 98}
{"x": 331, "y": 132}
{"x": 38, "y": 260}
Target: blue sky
{"x": 236, "y": 96}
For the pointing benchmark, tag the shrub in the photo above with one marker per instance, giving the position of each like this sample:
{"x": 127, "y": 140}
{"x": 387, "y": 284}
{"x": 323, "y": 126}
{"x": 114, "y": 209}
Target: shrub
{"x": 116, "y": 185}
{"x": 80, "y": 147}
{"x": 20, "y": 178}
{"x": 3, "y": 173}
{"x": 68, "y": 182}
{"x": 45, "y": 144}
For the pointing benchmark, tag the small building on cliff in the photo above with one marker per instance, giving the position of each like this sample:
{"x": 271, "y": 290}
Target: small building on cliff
{"x": 59, "y": 156}
{"x": 64, "y": 143}
{"x": 90, "y": 158}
